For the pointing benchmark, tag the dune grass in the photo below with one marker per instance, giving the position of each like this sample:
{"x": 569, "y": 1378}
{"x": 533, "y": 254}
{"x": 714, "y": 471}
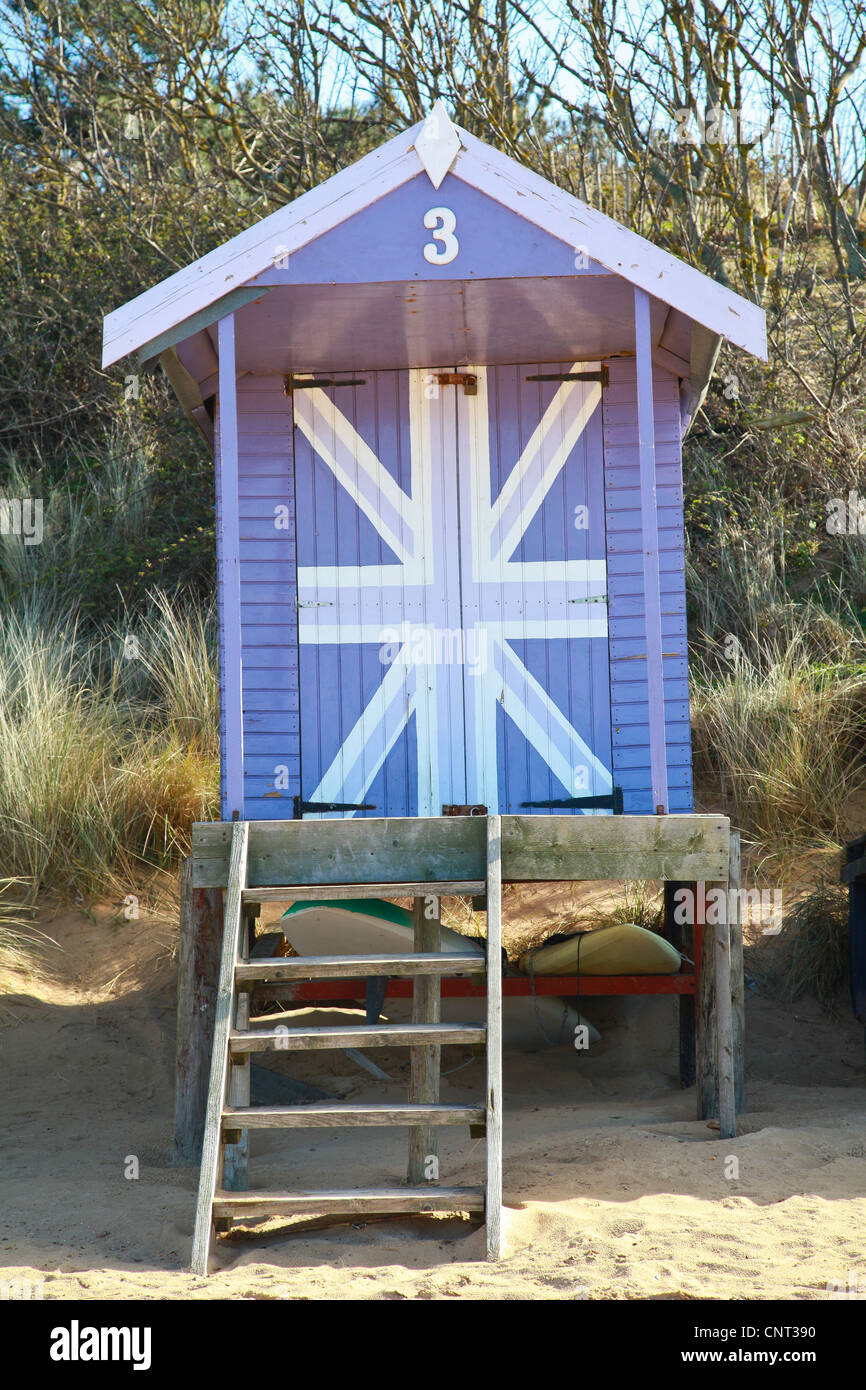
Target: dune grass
{"x": 810, "y": 954}
{"x": 778, "y": 728}
{"x": 108, "y": 746}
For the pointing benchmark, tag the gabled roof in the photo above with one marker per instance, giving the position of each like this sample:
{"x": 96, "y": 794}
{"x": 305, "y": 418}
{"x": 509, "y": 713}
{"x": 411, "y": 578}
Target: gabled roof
{"x": 188, "y": 295}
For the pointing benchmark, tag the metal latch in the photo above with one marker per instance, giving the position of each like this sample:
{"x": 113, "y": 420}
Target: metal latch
{"x": 467, "y": 380}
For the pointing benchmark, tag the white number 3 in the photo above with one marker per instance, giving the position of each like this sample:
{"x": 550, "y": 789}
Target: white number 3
{"x": 441, "y": 221}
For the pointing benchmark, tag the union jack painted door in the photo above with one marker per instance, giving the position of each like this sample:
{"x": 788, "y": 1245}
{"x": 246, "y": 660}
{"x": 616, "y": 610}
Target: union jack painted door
{"x": 452, "y": 615}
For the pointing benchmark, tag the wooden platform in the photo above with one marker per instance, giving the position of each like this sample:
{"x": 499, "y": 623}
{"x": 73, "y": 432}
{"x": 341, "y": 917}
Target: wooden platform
{"x": 286, "y": 861}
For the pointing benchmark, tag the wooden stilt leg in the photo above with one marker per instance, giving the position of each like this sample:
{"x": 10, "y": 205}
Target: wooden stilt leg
{"x": 725, "y": 1027}
{"x": 198, "y": 967}
{"x": 707, "y": 1075}
{"x": 738, "y": 983}
{"x": 681, "y": 935}
{"x": 425, "y": 1061}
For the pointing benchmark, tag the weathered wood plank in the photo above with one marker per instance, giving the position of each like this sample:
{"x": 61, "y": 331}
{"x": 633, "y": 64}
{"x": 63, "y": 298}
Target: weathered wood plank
{"x": 434, "y": 850}
{"x": 370, "y": 1201}
{"x": 725, "y": 1029}
{"x": 198, "y": 965}
{"x": 298, "y": 892}
{"x": 706, "y": 1074}
{"x": 360, "y": 1035}
{"x": 351, "y": 1116}
{"x": 405, "y": 850}
{"x": 548, "y": 848}
{"x": 211, "y": 1148}
{"x": 681, "y": 935}
{"x": 356, "y": 967}
{"x": 738, "y": 980}
{"x": 424, "y": 1062}
{"x": 493, "y": 1208}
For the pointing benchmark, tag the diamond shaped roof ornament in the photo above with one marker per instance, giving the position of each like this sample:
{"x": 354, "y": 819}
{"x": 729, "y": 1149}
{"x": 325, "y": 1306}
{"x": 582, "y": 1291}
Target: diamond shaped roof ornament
{"x": 438, "y": 144}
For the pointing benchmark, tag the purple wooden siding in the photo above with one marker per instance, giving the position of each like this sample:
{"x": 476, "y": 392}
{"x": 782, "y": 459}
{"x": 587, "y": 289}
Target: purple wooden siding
{"x": 386, "y": 242}
{"x": 628, "y": 676}
{"x": 268, "y": 613}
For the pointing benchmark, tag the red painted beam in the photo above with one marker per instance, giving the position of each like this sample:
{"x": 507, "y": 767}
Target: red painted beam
{"x": 309, "y": 991}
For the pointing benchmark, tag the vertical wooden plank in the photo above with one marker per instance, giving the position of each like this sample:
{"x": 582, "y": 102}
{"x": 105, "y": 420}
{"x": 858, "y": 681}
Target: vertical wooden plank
{"x": 269, "y": 655}
{"x": 493, "y": 1206}
{"x": 198, "y": 964}
{"x": 650, "y": 548}
{"x": 425, "y": 1061}
{"x": 725, "y": 1024}
{"x": 707, "y": 1078}
{"x": 235, "y": 1156}
{"x": 212, "y": 1146}
{"x": 738, "y": 982}
{"x": 628, "y": 684}
{"x": 682, "y": 937}
{"x": 229, "y": 574}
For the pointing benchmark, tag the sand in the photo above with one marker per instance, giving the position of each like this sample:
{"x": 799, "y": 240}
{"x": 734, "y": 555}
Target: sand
{"x": 612, "y": 1189}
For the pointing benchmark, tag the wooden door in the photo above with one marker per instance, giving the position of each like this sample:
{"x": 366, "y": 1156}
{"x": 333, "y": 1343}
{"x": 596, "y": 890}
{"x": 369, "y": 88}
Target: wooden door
{"x": 451, "y": 590}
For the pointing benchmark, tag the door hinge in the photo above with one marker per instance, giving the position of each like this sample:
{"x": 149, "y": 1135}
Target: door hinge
{"x": 301, "y": 807}
{"x": 309, "y": 383}
{"x": 612, "y": 802}
{"x": 603, "y": 376}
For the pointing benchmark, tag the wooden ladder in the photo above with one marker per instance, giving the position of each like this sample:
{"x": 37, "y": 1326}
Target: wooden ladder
{"x": 229, "y": 1114}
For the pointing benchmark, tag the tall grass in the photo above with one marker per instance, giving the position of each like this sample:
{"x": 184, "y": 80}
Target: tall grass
{"x": 109, "y": 507}
{"x": 778, "y": 736}
{"x": 810, "y": 955}
{"x": 108, "y": 745}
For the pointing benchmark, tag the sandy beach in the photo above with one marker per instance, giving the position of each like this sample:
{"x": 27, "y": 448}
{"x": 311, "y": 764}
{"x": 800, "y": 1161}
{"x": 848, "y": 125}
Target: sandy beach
{"x": 613, "y": 1190}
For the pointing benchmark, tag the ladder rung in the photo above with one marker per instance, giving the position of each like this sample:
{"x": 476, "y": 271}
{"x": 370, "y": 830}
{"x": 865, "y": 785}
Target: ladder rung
{"x": 299, "y": 892}
{"x": 321, "y": 1113}
{"x": 355, "y": 967}
{"x": 368, "y": 1201}
{"x": 359, "y": 1035}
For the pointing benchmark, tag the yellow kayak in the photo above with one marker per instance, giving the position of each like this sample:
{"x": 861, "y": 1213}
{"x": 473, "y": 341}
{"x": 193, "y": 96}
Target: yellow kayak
{"x": 622, "y": 949}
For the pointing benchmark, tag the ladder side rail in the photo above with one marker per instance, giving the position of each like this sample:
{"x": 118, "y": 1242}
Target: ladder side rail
{"x": 235, "y": 1154}
{"x": 493, "y": 1203}
{"x": 425, "y": 1062}
{"x": 212, "y": 1145}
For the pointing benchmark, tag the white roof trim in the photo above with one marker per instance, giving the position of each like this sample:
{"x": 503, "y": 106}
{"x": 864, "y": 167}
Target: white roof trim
{"x": 661, "y": 274}
{"x": 285, "y": 231}
{"x": 529, "y": 195}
